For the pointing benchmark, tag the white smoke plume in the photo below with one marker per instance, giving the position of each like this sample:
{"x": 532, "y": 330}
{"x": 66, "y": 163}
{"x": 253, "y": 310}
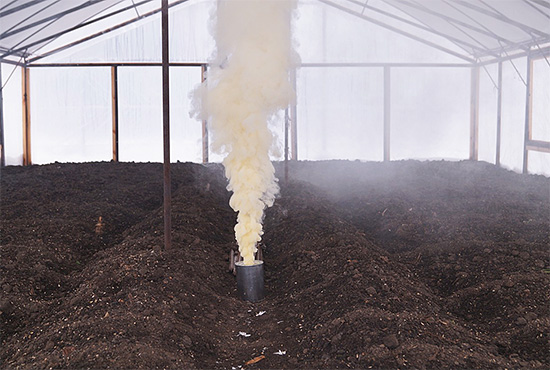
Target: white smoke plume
{"x": 247, "y": 84}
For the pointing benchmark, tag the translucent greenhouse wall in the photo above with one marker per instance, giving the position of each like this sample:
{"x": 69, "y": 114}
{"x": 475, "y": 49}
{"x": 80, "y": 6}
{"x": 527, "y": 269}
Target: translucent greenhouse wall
{"x": 430, "y": 113}
{"x": 12, "y": 108}
{"x": 340, "y": 108}
{"x": 341, "y": 113}
{"x": 541, "y": 100}
{"x": 513, "y": 114}
{"x": 488, "y": 108}
{"x": 336, "y": 126}
{"x": 539, "y": 162}
{"x": 70, "y": 123}
{"x": 140, "y": 115}
{"x": 514, "y": 103}
{"x": 70, "y": 115}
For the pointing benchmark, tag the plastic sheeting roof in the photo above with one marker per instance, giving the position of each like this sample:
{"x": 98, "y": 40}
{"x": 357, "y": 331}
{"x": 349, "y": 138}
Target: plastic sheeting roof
{"x": 31, "y": 28}
{"x": 478, "y": 29}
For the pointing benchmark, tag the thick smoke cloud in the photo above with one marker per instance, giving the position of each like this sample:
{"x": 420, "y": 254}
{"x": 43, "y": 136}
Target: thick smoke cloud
{"x": 247, "y": 84}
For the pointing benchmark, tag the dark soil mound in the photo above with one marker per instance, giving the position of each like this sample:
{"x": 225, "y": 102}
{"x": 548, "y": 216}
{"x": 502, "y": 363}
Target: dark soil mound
{"x": 384, "y": 265}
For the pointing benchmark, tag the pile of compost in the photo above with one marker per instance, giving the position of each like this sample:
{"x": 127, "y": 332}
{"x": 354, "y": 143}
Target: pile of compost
{"x": 383, "y": 265}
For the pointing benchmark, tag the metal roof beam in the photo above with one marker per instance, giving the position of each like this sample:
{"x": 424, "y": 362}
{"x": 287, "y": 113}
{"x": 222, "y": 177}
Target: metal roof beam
{"x": 7, "y": 5}
{"x": 483, "y": 49}
{"x": 20, "y": 53}
{"x": 541, "y": 52}
{"x": 456, "y": 21}
{"x": 92, "y": 20}
{"x": 525, "y": 28}
{"x": 8, "y": 61}
{"x": 29, "y": 17}
{"x": 501, "y": 17}
{"x": 422, "y": 26}
{"x": 531, "y": 4}
{"x": 525, "y": 46}
{"x": 397, "y": 30}
{"x": 511, "y": 45}
{"x": 12, "y": 62}
{"x": 51, "y": 37}
{"x": 490, "y": 32}
{"x": 120, "y": 25}
{"x": 54, "y": 17}
{"x": 542, "y": 3}
{"x": 27, "y": 46}
{"x": 135, "y": 8}
{"x": 20, "y": 7}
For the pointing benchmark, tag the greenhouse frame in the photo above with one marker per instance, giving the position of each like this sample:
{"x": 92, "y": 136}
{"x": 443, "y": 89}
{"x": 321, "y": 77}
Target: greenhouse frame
{"x": 396, "y": 50}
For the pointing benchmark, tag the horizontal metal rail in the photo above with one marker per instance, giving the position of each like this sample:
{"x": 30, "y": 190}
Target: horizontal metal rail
{"x": 303, "y": 65}
{"x": 395, "y": 65}
{"x": 534, "y": 54}
{"x": 538, "y": 145}
{"x": 114, "y": 64}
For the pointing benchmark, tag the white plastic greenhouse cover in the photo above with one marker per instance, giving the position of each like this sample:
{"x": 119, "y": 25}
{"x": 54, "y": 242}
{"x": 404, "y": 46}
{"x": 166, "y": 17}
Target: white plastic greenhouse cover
{"x": 348, "y": 48}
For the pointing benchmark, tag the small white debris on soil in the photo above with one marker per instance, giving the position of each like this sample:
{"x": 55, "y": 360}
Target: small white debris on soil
{"x": 260, "y": 313}
{"x": 280, "y": 353}
{"x": 243, "y": 334}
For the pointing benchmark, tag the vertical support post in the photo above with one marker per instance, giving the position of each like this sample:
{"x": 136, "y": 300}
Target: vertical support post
{"x": 114, "y": 109}
{"x": 27, "y": 160}
{"x": 474, "y": 113}
{"x": 387, "y": 112}
{"x": 166, "y": 126}
{"x": 286, "y": 144}
{"x": 205, "y": 158}
{"x": 499, "y": 113}
{"x": 294, "y": 118}
{"x": 2, "y": 149}
{"x": 528, "y": 114}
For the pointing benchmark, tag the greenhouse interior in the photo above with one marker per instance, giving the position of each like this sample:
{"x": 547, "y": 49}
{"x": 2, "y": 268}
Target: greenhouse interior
{"x": 387, "y": 161}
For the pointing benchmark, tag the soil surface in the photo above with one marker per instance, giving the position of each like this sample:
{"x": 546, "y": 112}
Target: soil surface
{"x": 367, "y": 265}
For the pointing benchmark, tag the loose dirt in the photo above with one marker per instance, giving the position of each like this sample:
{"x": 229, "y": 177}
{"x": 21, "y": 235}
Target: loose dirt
{"x": 384, "y": 265}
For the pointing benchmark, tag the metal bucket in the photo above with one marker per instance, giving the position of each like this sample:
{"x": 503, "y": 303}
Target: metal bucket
{"x": 250, "y": 281}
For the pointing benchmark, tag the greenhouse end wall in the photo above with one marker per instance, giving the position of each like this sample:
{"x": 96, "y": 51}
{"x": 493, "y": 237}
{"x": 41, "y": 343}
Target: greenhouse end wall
{"x": 340, "y": 114}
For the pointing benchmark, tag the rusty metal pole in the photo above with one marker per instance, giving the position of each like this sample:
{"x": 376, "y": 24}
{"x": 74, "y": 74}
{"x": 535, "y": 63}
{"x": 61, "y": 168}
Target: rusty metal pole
{"x": 166, "y": 126}
{"x": 114, "y": 111}
{"x": 25, "y": 81}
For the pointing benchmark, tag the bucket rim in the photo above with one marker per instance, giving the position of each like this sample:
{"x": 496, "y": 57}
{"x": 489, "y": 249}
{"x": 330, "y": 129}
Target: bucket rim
{"x": 256, "y": 263}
